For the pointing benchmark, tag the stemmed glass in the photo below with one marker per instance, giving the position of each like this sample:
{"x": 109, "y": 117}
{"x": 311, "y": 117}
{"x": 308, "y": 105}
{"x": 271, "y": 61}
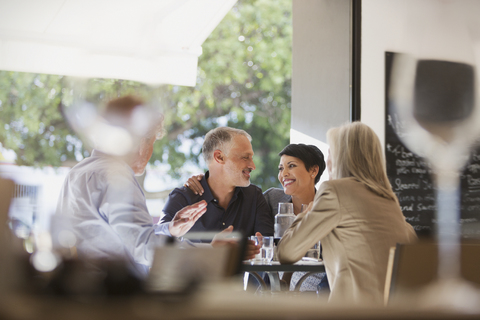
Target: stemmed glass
{"x": 435, "y": 102}
{"x": 433, "y": 90}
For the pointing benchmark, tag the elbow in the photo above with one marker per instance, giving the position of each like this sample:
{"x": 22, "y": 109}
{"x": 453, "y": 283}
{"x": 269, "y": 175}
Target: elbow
{"x": 286, "y": 256}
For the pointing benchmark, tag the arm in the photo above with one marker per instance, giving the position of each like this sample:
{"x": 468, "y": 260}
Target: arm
{"x": 122, "y": 205}
{"x": 311, "y": 226}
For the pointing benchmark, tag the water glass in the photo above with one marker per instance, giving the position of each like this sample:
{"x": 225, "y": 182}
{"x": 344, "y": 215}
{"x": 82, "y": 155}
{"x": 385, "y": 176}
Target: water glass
{"x": 283, "y": 219}
{"x": 304, "y": 207}
{"x": 257, "y": 241}
{"x": 267, "y": 249}
{"x": 314, "y": 252}
{"x": 285, "y": 208}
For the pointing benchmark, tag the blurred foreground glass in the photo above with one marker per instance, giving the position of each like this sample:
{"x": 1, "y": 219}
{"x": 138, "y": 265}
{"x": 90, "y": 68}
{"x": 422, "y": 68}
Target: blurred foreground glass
{"x": 438, "y": 119}
{"x": 283, "y": 219}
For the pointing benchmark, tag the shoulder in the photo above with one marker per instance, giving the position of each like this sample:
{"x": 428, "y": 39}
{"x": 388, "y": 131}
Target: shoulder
{"x": 251, "y": 190}
{"x": 273, "y": 196}
{"x": 341, "y": 184}
{"x": 184, "y": 194}
{"x": 275, "y": 193}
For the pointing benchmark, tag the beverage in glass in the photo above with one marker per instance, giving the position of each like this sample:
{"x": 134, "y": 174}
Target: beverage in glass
{"x": 267, "y": 249}
{"x": 284, "y": 219}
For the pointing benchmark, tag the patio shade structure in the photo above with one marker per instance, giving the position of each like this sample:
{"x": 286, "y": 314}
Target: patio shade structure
{"x": 151, "y": 41}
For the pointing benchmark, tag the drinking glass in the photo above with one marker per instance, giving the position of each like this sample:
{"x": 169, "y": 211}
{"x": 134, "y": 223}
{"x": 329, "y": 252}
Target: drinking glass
{"x": 284, "y": 219}
{"x": 257, "y": 241}
{"x": 314, "y": 252}
{"x": 285, "y": 208}
{"x": 437, "y": 118}
{"x": 267, "y": 249}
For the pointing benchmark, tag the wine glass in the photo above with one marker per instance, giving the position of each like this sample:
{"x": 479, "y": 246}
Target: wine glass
{"x": 435, "y": 102}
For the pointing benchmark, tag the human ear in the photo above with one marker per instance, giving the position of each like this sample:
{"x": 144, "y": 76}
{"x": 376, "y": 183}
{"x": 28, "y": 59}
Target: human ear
{"x": 314, "y": 171}
{"x": 218, "y": 156}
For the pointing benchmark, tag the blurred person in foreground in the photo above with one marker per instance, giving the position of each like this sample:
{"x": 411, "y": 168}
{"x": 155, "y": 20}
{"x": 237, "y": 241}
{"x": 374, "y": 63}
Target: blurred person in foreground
{"x": 356, "y": 216}
{"x": 231, "y": 200}
{"x": 106, "y": 204}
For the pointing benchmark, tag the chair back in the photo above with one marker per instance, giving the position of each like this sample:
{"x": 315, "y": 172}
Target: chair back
{"x": 415, "y": 266}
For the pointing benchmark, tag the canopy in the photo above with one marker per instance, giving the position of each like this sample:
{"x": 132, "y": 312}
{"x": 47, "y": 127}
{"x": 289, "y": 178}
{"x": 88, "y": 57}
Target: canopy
{"x": 151, "y": 41}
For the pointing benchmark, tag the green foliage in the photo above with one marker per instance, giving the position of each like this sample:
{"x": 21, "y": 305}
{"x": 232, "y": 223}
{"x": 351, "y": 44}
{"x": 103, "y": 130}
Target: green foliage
{"x": 244, "y": 81}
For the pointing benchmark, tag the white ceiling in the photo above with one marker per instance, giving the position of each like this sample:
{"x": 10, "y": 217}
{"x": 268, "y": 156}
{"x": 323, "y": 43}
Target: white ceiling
{"x": 151, "y": 41}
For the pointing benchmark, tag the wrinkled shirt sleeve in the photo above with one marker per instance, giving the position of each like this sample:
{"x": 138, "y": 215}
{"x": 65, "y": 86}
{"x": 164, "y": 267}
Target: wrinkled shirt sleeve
{"x": 310, "y": 227}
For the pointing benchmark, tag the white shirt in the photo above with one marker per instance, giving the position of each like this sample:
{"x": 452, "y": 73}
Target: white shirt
{"x": 108, "y": 211}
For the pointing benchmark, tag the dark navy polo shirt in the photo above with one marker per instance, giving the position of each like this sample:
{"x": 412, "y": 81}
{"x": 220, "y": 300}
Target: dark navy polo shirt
{"x": 247, "y": 211}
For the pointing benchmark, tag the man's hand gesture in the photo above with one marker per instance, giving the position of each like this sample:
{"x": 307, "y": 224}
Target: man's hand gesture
{"x": 186, "y": 218}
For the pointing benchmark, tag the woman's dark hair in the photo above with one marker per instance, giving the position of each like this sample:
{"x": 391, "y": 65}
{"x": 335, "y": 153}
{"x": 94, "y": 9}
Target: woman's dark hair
{"x": 309, "y": 154}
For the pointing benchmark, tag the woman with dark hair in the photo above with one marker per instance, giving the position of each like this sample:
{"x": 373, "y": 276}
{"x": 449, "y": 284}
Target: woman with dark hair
{"x": 299, "y": 170}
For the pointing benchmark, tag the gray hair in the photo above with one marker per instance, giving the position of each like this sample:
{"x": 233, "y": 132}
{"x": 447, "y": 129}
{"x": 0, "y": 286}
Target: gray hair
{"x": 220, "y": 139}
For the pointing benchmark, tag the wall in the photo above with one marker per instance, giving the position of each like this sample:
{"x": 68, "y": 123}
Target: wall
{"x": 321, "y": 69}
{"x": 426, "y": 28}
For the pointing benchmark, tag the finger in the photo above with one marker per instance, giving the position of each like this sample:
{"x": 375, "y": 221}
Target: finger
{"x": 181, "y": 220}
{"x": 198, "y": 214}
{"x": 190, "y": 210}
{"x": 258, "y": 234}
{"x": 227, "y": 230}
{"x": 198, "y": 186}
{"x": 193, "y": 184}
{"x": 199, "y": 176}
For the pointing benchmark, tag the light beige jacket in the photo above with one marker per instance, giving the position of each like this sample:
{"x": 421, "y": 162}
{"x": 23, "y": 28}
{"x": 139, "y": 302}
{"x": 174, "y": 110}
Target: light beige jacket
{"x": 357, "y": 227}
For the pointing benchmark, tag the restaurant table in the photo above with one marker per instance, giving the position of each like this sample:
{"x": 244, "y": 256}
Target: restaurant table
{"x": 310, "y": 266}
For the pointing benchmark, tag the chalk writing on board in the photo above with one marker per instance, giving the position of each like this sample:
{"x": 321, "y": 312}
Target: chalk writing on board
{"x": 412, "y": 178}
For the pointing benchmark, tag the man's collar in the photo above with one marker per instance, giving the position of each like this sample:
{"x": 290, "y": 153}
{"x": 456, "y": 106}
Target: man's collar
{"x": 208, "y": 196}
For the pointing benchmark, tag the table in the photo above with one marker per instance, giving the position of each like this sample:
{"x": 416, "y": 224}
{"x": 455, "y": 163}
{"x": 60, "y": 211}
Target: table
{"x": 272, "y": 269}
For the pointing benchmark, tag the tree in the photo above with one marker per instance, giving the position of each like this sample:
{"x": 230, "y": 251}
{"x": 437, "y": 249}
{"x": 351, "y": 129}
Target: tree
{"x": 244, "y": 81}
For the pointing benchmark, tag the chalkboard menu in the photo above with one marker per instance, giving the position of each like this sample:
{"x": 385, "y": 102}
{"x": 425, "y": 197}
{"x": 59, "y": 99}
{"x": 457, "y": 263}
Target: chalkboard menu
{"x": 411, "y": 178}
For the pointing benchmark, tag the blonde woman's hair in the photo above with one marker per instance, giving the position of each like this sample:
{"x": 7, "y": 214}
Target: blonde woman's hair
{"x": 355, "y": 151}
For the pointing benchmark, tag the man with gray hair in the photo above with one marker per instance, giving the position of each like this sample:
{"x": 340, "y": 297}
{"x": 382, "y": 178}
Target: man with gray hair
{"x": 232, "y": 202}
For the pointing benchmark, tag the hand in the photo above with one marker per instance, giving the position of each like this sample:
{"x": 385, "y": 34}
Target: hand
{"x": 194, "y": 184}
{"x": 251, "y": 250}
{"x": 221, "y": 237}
{"x": 186, "y": 218}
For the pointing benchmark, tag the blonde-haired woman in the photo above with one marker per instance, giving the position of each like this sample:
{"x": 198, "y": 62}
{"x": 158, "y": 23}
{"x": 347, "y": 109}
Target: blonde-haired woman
{"x": 356, "y": 215}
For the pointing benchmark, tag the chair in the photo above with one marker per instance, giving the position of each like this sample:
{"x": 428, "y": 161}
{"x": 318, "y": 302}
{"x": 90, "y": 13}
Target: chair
{"x": 413, "y": 266}
{"x": 175, "y": 267}
{"x": 6, "y": 265}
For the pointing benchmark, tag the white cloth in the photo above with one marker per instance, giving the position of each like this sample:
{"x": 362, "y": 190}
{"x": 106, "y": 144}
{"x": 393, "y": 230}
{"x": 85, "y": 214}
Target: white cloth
{"x": 108, "y": 212}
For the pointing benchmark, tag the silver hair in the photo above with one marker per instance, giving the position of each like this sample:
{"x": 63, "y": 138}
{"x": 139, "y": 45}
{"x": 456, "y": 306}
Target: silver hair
{"x": 220, "y": 139}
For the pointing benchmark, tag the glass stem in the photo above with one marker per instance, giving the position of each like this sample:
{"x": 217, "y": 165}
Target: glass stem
{"x": 449, "y": 230}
